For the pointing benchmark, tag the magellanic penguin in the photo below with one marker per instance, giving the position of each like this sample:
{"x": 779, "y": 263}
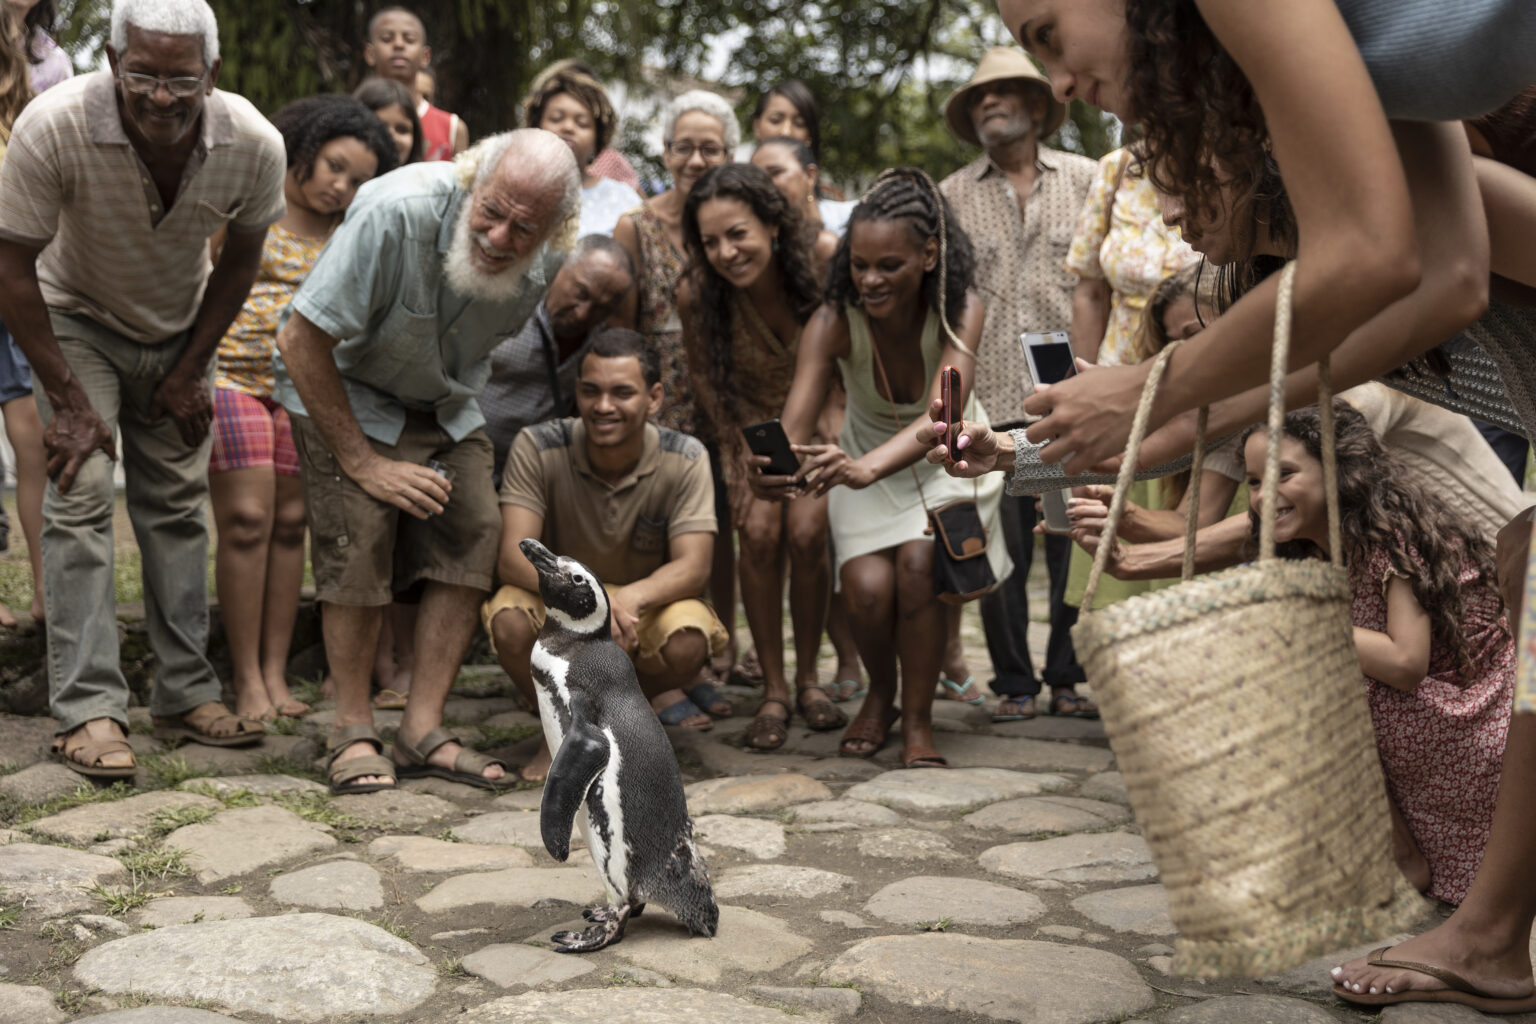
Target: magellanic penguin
{"x": 612, "y": 757}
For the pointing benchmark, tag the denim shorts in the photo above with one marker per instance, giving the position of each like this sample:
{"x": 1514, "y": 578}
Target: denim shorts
{"x": 15, "y": 371}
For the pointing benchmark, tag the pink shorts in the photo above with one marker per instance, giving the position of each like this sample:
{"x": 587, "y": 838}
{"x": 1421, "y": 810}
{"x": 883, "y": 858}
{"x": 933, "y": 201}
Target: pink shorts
{"x": 249, "y": 432}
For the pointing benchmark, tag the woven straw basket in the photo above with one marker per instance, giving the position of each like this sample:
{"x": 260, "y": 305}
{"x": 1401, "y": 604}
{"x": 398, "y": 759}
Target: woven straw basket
{"x": 1235, "y": 707}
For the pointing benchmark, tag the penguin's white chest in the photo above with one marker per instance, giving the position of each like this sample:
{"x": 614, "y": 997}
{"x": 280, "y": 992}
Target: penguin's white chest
{"x": 549, "y": 676}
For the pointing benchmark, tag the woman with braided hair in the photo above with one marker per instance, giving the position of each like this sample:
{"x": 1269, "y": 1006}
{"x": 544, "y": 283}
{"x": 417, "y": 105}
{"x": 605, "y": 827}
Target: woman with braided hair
{"x": 899, "y": 306}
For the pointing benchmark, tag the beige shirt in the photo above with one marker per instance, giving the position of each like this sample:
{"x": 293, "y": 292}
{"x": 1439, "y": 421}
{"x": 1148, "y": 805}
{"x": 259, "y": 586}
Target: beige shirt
{"x": 1021, "y": 269}
{"x": 73, "y": 184}
{"x": 618, "y": 530}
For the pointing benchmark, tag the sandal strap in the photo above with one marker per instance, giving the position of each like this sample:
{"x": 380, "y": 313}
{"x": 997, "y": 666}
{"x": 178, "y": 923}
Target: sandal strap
{"x": 774, "y": 700}
{"x": 91, "y": 752}
{"x": 206, "y": 717}
{"x": 343, "y": 772}
{"x": 343, "y": 736}
{"x": 423, "y": 748}
{"x": 1451, "y": 979}
{"x": 473, "y": 762}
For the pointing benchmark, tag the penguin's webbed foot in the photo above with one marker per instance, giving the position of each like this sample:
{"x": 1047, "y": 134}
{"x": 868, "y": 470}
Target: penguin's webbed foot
{"x": 607, "y": 928}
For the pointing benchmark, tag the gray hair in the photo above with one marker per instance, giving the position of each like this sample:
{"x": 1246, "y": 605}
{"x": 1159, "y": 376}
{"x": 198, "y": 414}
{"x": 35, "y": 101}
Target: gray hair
{"x": 544, "y": 157}
{"x": 172, "y": 17}
{"x": 704, "y": 102}
{"x": 594, "y": 243}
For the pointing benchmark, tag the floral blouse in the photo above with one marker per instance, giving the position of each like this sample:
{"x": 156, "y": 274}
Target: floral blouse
{"x": 245, "y": 351}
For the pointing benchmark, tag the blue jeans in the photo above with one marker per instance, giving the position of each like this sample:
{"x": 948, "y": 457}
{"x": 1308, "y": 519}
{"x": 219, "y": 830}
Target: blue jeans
{"x": 167, "y": 491}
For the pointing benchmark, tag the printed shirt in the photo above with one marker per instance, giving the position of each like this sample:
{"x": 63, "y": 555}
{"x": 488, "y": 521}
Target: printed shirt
{"x": 1020, "y": 263}
{"x": 619, "y": 530}
{"x": 246, "y": 350}
{"x": 1134, "y": 253}
{"x": 74, "y": 185}
{"x": 407, "y": 341}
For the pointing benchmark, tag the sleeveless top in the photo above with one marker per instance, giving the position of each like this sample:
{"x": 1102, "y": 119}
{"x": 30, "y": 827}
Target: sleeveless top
{"x": 661, "y": 269}
{"x": 245, "y": 352}
{"x": 436, "y": 132}
{"x": 762, "y": 366}
{"x": 1438, "y": 61}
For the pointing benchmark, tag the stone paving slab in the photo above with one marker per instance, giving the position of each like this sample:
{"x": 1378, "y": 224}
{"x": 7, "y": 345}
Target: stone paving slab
{"x": 963, "y": 901}
{"x": 756, "y": 837}
{"x": 746, "y": 941}
{"x": 1017, "y": 980}
{"x": 397, "y": 808}
{"x": 835, "y": 1003}
{"x": 1034, "y": 815}
{"x": 519, "y": 800}
{"x": 421, "y": 854}
{"x": 39, "y": 782}
{"x": 628, "y": 1006}
{"x": 854, "y": 812}
{"x": 335, "y": 885}
{"x": 1105, "y": 857}
{"x": 51, "y": 880}
{"x": 975, "y": 751}
{"x": 1106, "y": 786}
{"x": 516, "y": 887}
{"x": 172, "y": 910}
{"x": 512, "y": 965}
{"x": 158, "y": 1015}
{"x": 248, "y": 760}
{"x": 258, "y": 785}
{"x": 1142, "y": 909}
{"x": 778, "y": 880}
{"x": 750, "y": 794}
{"x": 905, "y": 844}
{"x": 294, "y": 966}
{"x": 1445, "y": 1013}
{"x": 29, "y": 1004}
{"x": 917, "y": 792}
{"x": 116, "y": 818}
{"x": 1252, "y": 1010}
{"x": 514, "y": 828}
{"x": 244, "y": 839}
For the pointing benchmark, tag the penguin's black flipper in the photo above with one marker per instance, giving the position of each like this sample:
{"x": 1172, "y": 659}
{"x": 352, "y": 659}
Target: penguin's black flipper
{"x": 582, "y": 756}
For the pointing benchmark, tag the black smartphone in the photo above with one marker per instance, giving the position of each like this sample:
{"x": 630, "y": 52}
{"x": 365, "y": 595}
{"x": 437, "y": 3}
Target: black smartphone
{"x": 949, "y": 395}
{"x": 768, "y": 438}
{"x": 1050, "y": 356}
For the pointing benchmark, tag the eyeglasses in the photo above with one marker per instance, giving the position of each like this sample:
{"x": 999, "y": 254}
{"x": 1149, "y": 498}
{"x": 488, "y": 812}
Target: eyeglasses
{"x": 685, "y": 150}
{"x": 145, "y": 85}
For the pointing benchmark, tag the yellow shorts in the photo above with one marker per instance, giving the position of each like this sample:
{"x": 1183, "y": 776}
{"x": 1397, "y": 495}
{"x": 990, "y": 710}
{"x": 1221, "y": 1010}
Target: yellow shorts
{"x": 655, "y": 628}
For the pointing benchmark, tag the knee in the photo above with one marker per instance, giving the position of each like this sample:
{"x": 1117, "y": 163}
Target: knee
{"x": 515, "y": 636}
{"x": 760, "y": 538}
{"x": 89, "y": 500}
{"x": 866, "y": 599}
{"x": 245, "y": 526}
{"x": 808, "y": 542}
{"x": 288, "y": 525}
{"x": 914, "y": 574}
{"x": 685, "y": 651}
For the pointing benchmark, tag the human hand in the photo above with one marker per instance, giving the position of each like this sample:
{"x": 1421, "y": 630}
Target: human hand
{"x": 188, "y": 400}
{"x": 1087, "y": 418}
{"x": 624, "y": 622}
{"x": 416, "y": 489}
{"x": 770, "y": 486}
{"x": 74, "y": 432}
{"x": 831, "y": 466}
{"x": 978, "y": 450}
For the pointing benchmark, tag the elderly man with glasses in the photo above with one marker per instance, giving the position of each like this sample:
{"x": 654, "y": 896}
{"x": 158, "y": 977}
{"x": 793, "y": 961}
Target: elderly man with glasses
{"x": 112, "y": 185}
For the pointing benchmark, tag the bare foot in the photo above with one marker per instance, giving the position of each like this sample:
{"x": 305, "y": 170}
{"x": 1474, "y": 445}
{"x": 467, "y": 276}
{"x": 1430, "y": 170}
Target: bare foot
{"x": 282, "y": 699}
{"x": 1468, "y": 951}
{"x": 536, "y": 770}
{"x": 7, "y": 617}
{"x": 39, "y": 614}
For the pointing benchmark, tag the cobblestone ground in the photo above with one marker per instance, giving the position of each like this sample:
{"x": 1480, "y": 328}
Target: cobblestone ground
{"x": 228, "y": 885}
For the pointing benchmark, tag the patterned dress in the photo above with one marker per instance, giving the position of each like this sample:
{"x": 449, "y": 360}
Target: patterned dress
{"x": 1442, "y": 745}
{"x": 661, "y": 268}
{"x": 1525, "y": 678}
{"x": 245, "y": 351}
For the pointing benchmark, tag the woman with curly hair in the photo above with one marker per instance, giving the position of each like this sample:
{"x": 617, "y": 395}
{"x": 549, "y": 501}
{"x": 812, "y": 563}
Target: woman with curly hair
{"x": 571, "y": 103}
{"x": 334, "y": 145}
{"x": 750, "y": 290}
{"x": 899, "y": 307}
{"x": 1429, "y": 624}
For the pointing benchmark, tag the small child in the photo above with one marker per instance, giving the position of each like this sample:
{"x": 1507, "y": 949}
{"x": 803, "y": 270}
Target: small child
{"x": 397, "y": 49}
{"x": 1429, "y": 629}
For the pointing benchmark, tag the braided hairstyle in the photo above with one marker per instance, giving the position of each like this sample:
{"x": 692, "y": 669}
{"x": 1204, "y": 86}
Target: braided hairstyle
{"x": 909, "y": 194}
{"x": 792, "y": 255}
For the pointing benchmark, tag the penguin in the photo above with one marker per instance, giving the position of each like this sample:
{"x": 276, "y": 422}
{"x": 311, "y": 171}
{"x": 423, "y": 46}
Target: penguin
{"x": 613, "y": 759}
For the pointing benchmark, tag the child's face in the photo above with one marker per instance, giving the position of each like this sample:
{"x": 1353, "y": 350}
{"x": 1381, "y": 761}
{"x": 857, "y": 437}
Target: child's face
{"x": 398, "y": 47}
{"x": 398, "y": 120}
{"x": 1300, "y": 510}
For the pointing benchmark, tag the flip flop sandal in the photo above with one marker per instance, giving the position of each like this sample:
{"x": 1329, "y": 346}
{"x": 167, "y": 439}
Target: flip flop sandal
{"x": 708, "y": 698}
{"x": 468, "y": 767}
{"x": 1459, "y": 990}
{"x": 821, "y": 715}
{"x": 922, "y": 757}
{"x": 836, "y": 691}
{"x": 958, "y": 689}
{"x": 747, "y": 671}
{"x": 766, "y": 732}
{"x": 341, "y": 774}
{"x": 866, "y": 730}
{"x": 1020, "y": 715}
{"x": 677, "y": 714}
{"x": 390, "y": 700}
{"x": 1072, "y": 706}
{"x": 85, "y": 758}
{"x": 197, "y": 725}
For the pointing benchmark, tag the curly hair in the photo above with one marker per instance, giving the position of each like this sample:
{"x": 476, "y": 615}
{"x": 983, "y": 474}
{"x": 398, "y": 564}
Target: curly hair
{"x": 800, "y": 97}
{"x": 1193, "y": 103}
{"x": 713, "y": 308}
{"x": 308, "y": 124}
{"x": 908, "y": 193}
{"x": 39, "y": 20}
{"x": 1381, "y": 507}
{"x": 378, "y": 93}
{"x": 571, "y": 79}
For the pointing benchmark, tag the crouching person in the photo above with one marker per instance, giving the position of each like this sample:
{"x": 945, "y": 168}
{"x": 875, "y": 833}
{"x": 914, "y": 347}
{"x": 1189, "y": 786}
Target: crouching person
{"x": 633, "y": 502}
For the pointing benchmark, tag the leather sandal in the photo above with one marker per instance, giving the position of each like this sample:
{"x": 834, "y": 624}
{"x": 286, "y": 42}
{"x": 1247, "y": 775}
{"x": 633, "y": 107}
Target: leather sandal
{"x": 467, "y": 767}
{"x": 820, "y": 714}
{"x": 767, "y": 732}
{"x": 211, "y": 724}
{"x": 922, "y": 756}
{"x": 342, "y": 774}
{"x": 1070, "y": 705}
{"x": 865, "y": 729}
{"x": 85, "y": 758}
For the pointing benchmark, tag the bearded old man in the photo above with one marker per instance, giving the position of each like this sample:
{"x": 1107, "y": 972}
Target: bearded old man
{"x": 386, "y": 345}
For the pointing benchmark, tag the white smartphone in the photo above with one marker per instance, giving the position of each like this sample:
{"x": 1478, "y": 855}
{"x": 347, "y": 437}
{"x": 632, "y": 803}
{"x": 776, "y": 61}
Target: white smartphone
{"x": 1051, "y": 360}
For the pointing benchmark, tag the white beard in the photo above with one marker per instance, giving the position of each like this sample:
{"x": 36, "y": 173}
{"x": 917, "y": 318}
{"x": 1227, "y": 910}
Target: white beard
{"x": 466, "y": 277}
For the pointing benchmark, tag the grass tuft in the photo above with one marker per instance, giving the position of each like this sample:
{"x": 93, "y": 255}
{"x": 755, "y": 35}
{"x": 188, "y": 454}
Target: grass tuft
{"x": 169, "y": 819}
{"x": 169, "y": 770}
{"x": 941, "y": 925}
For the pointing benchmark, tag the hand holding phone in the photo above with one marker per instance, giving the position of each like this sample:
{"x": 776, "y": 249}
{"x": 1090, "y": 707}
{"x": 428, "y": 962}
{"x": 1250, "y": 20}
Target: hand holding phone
{"x": 768, "y": 438}
{"x": 1049, "y": 355}
{"x": 950, "y": 396}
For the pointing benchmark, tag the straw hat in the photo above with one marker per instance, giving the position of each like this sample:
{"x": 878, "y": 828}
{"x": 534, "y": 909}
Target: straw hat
{"x": 1000, "y": 64}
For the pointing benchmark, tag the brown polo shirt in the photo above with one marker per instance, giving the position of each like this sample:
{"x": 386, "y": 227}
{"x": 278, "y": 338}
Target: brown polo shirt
{"x": 73, "y": 184}
{"x": 618, "y": 530}
{"x": 1020, "y": 263}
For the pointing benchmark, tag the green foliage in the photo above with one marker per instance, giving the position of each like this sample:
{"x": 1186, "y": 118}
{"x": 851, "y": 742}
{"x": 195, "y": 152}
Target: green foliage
{"x": 159, "y": 862}
{"x": 10, "y": 913}
{"x": 169, "y": 770}
{"x": 14, "y": 812}
{"x": 169, "y": 819}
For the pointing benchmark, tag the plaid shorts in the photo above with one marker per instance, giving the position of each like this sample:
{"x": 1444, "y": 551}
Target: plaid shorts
{"x": 248, "y": 432}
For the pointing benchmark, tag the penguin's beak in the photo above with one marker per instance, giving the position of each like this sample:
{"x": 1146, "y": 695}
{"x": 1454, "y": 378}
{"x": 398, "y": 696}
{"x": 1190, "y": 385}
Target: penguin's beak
{"x": 542, "y": 558}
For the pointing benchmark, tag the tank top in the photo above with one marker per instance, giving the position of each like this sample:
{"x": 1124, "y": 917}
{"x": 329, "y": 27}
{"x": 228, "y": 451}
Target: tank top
{"x": 436, "y": 132}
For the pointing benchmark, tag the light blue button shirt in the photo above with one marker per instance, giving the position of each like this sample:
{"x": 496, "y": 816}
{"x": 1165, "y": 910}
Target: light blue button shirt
{"x": 407, "y": 340}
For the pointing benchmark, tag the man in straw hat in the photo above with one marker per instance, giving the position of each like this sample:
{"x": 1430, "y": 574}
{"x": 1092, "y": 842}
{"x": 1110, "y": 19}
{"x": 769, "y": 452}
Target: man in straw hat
{"x": 1020, "y": 203}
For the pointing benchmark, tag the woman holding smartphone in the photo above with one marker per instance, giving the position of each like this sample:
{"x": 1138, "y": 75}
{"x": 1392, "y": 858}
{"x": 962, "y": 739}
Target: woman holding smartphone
{"x": 899, "y": 307}
{"x": 750, "y": 290}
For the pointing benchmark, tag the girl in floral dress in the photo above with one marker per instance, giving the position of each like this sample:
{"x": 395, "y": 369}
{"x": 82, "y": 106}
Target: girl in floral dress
{"x": 1430, "y": 631}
